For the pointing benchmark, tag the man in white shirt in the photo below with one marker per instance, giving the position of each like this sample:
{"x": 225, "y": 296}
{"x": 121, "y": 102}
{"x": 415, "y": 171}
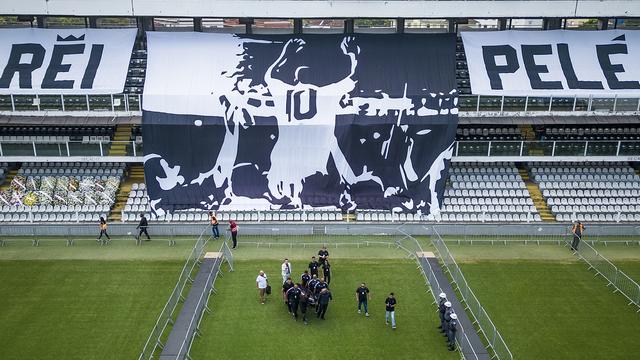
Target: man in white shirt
{"x": 286, "y": 270}
{"x": 262, "y": 283}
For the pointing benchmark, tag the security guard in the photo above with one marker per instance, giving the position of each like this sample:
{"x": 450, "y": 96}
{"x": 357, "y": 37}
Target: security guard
{"x": 451, "y": 331}
{"x": 447, "y": 316}
{"x": 326, "y": 271}
{"x": 304, "y": 279}
{"x": 304, "y": 304}
{"x": 293, "y": 297}
{"x": 320, "y": 285}
{"x": 313, "y": 266}
{"x": 323, "y": 302}
{"x": 441, "y": 310}
{"x": 323, "y": 254}
{"x": 285, "y": 288}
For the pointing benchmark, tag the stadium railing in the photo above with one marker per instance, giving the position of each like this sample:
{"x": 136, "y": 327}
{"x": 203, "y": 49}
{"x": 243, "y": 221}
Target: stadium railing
{"x": 494, "y": 340}
{"x": 616, "y": 278}
{"x": 131, "y": 104}
{"x": 412, "y": 247}
{"x": 494, "y": 148}
{"x": 168, "y": 313}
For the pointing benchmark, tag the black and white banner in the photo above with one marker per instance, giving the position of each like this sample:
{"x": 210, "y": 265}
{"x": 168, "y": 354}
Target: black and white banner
{"x": 277, "y": 122}
{"x": 558, "y": 62}
{"x": 64, "y": 61}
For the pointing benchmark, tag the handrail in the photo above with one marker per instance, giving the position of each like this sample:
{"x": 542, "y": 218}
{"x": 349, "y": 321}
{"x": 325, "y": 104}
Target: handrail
{"x": 167, "y": 317}
{"x": 622, "y": 283}
{"x": 476, "y": 148}
{"x": 480, "y": 315}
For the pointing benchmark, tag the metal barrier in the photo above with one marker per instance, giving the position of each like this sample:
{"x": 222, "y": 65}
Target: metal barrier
{"x": 622, "y": 283}
{"x": 166, "y": 317}
{"x": 481, "y": 317}
{"x": 412, "y": 246}
{"x": 67, "y": 148}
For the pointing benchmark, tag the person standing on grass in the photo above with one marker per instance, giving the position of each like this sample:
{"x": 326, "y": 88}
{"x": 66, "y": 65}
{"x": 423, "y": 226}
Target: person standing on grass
{"x": 304, "y": 304}
{"x": 447, "y": 316}
{"x": 285, "y": 288}
{"x": 441, "y": 310}
{"x": 103, "y": 229}
{"x": 577, "y": 231}
{"x": 323, "y": 302}
{"x": 286, "y": 270}
{"x": 293, "y": 296}
{"x": 313, "y": 266}
{"x": 262, "y": 282}
{"x": 143, "y": 225}
{"x": 362, "y": 297}
{"x": 323, "y": 254}
{"x": 451, "y": 332}
{"x": 326, "y": 271}
{"x": 233, "y": 227}
{"x": 304, "y": 279}
{"x": 390, "y": 304}
{"x": 214, "y": 225}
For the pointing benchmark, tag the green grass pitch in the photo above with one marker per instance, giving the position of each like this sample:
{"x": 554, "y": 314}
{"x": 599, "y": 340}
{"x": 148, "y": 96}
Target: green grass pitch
{"x": 92, "y": 302}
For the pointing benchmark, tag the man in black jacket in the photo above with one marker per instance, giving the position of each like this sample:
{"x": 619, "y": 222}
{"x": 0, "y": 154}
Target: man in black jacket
{"x": 323, "y": 254}
{"x": 326, "y": 271}
{"x": 293, "y": 296}
{"x": 451, "y": 332}
{"x": 323, "y": 302}
{"x": 313, "y": 266}
{"x": 143, "y": 227}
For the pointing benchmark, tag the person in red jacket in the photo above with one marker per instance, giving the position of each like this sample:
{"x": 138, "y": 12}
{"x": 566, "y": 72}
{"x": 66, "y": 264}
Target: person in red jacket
{"x": 233, "y": 227}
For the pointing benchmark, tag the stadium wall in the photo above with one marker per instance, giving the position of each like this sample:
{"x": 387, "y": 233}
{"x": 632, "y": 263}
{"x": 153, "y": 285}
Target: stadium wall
{"x": 328, "y": 9}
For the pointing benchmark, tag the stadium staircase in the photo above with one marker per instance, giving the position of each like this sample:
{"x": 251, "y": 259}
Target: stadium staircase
{"x": 123, "y": 133}
{"x": 7, "y": 180}
{"x": 536, "y": 196}
{"x": 135, "y": 175}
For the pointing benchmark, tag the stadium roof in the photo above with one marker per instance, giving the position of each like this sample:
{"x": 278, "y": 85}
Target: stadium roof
{"x": 327, "y": 9}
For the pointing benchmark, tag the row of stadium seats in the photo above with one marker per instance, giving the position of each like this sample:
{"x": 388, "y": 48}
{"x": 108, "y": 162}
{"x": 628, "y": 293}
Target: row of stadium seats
{"x": 604, "y": 192}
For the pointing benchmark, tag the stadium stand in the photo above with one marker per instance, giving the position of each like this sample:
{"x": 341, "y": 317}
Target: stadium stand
{"x": 603, "y": 192}
{"x": 494, "y": 192}
{"x": 61, "y": 192}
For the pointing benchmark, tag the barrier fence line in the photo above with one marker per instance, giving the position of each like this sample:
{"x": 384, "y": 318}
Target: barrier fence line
{"x": 481, "y": 317}
{"x": 622, "y": 283}
{"x": 154, "y": 341}
{"x": 433, "y": 287}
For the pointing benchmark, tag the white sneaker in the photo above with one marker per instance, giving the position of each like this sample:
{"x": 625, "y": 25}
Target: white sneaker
{"x": 366, "y": 314}
{"x": 359, "y": 312}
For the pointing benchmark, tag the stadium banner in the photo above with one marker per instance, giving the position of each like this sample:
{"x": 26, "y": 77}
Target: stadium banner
{"x": 235, "y": 122}
{"x": 557, "y": 62}
{"x": 64, "y": 61}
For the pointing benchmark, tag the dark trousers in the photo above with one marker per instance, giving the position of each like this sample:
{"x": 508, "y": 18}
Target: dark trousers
{"x": 215, "y": 231}
{"x": 105, "y": 234}
{"x": 234, "y": 238}
{"x": 451, "y": 339}
{"x": 314, "y": 273}
{"x": 322, "y": 309}
{"x": 327, "y": 278}
{"x": 576, "y": 241}
{"x": 293, "y": 308}
{"x": 143, "y": 230}
{"x": 303, "y": 311}
{"x": 442, "y": 323}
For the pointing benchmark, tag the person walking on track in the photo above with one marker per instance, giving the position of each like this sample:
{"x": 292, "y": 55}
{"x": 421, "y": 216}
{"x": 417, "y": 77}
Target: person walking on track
{"x": 233, "y": 227}
{"x": 214, "y": 225}
{"x": 103, "y": 229}
{"x": 577, "y": 231}
{"x": 441, "y": 310}
{"x": 143, "y": 228}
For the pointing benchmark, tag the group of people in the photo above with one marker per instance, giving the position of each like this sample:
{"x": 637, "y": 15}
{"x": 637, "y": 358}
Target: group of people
{"x": 448, "y": 321}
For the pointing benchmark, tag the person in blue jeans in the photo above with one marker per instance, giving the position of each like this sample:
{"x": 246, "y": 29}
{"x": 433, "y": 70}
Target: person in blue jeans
{"x": 214, "y": 225}
{"x": 390, "y": 303}
{"x": 362, "y": 296}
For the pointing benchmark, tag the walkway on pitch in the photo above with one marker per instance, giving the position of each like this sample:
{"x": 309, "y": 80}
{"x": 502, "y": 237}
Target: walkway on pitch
{"x": 185, "y": 326}
{"x": 470, "y": 344}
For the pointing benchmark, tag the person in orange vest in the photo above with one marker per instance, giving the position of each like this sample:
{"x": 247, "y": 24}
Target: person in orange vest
{"x": 577, "y": 231}
{"x": 214, "y": 225}
{"x": 103, "y": 229}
